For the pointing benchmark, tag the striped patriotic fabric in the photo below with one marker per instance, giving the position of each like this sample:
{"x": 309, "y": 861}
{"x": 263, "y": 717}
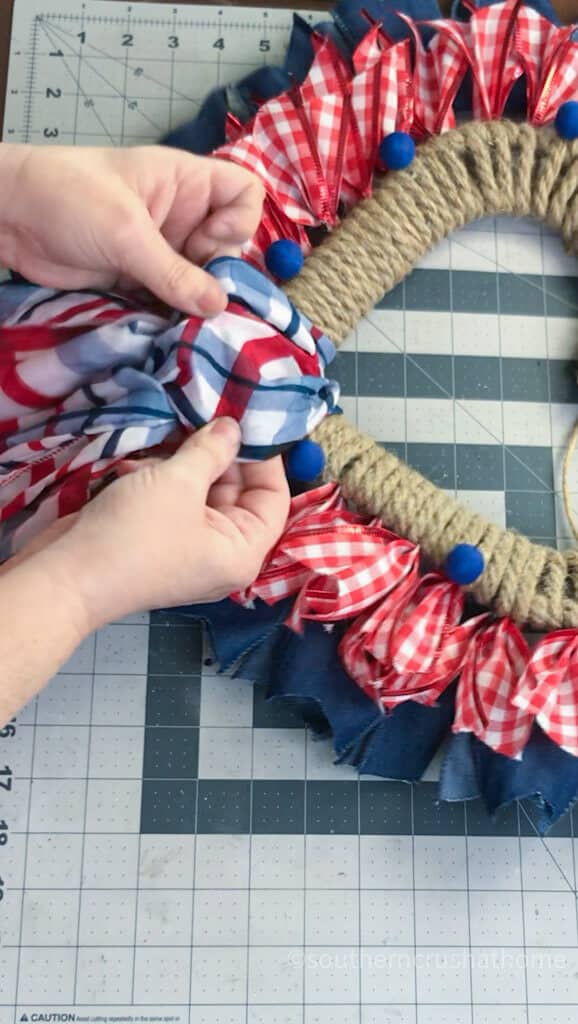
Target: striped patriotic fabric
{"x": 87, "y": 380}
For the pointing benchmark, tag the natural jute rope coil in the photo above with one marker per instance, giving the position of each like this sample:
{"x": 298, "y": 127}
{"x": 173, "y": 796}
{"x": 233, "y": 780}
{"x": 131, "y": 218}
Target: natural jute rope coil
{"x": 481, "y": 169}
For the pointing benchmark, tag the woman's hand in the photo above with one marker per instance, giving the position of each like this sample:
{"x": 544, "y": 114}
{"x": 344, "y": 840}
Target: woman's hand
{"x": 102, "y": 218}
{"x": 193, "y": 527}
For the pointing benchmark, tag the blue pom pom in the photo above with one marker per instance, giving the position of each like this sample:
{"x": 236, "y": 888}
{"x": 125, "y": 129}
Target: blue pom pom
{"x": 567, "y": 120}
{"x": 305, "y": 461}
{"x": 284, "y": 259}
{"x": 464, "y": 564}
{"x": 397, "y": 151}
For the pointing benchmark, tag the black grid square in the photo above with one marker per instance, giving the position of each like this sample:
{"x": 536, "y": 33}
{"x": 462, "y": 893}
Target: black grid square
{"x": 480, "y": 823}
{"x": 173, "y": 700}
{"x": 434, "y": 817}
{"x": 175, "y": 650}
{"x": 385, "y": 808}
{"x": 168, "y": 807}
{"x": 224, "y": 806}
{"x": 279, "y": 807}
{"x": 332, "y": 807}
{"x": 171, "y": 753}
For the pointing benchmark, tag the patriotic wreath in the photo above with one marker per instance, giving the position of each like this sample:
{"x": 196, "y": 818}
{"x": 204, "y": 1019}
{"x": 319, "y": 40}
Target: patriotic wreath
{"x": 389, "y": 614}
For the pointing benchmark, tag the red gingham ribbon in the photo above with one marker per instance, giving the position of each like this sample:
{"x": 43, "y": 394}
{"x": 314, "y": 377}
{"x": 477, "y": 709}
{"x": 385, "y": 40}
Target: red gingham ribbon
{"x": 381, "y": 100}
{"x": 549, "y": 58}
{"x": 407, "y": 640}
{"x": 337, "y": 562}
{"x": 548, "y": 688}
{"x": 274, "y": 224}
{"x": 495, "y": 662}
{"x": 413, "y": 645}
{"x": 484, "y": 45}
{"x": 316, "y": 147}
{"x": 281, "y": 575}
{"x": 329, "y": 71}
{"x": 349, "y": 572}
{"x": 432, "y": 112}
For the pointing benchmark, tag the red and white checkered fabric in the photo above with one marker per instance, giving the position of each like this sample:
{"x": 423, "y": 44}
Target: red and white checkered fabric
{"x": 449, "y": 56}
{"x": 413, "y": 645}
{"x": 435, "y": 608}
{"x": 280, "y": 576}
{"x": 273, "y": 226}
{"x": 337, "y": 562}
{"x": 485, "y": 47}
{"x": 365, "y": 647}
{"x": 407, "y": 640}
{"x": 548, "y": 689}
{"x": 495, "y": 662}
{"x": 350, "y": 571}
{"x": 431, "y": 114}
{"x": 559, "y": 75}
{"x": 532, "y": 40}
{"x": 316, "y": 147}
{"x": 329, "y": 71}
{"x": 294, "y": 147}
{"x": 382, "y": 102}
{"x": 495, "y": 64}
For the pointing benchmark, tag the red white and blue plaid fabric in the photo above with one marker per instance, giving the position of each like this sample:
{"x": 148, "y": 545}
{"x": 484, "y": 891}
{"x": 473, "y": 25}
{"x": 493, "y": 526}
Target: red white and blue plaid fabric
{"x": 407, "y": 639}
{"x": 87, "y": 380}
{"x": 316, "y": 147}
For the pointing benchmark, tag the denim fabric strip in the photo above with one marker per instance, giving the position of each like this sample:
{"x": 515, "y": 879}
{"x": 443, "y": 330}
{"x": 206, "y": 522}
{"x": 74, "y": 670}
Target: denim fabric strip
{"x": 402, "y": 744}
{"x": 206, "y": 132}
{"x": 353, "y": 25}
{"x": 305, "y": 672}
{"x": 546, "y": 775}
{"x": 308, "y": 666}
{"x": 234, "y": 630}
{"x": 458, "y": 776}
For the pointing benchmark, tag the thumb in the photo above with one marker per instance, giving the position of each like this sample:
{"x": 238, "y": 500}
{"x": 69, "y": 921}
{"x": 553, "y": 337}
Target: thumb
{"x": 208, "y": 453}
{"x": 150, "y": 259}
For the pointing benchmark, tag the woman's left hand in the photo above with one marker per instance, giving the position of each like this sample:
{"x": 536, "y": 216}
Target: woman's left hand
{"x": 103, "y": 218}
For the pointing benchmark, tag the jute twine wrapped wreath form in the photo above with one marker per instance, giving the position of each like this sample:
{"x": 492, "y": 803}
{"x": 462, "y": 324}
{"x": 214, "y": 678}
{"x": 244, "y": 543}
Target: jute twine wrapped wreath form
{"x": 481, "y": 169}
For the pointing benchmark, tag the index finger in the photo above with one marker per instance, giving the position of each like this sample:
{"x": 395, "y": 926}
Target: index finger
{"x": 236, "y": 201}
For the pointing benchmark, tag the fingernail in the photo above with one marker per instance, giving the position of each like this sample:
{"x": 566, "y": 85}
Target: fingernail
{"x": 227, "y": 429}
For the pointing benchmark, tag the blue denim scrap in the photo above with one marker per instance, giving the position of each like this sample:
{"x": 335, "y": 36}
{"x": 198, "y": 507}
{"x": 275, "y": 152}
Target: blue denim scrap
{"x": 206, "y": 131}
{"x": 305, "y": 672}
{"x": 546, "y": 774}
